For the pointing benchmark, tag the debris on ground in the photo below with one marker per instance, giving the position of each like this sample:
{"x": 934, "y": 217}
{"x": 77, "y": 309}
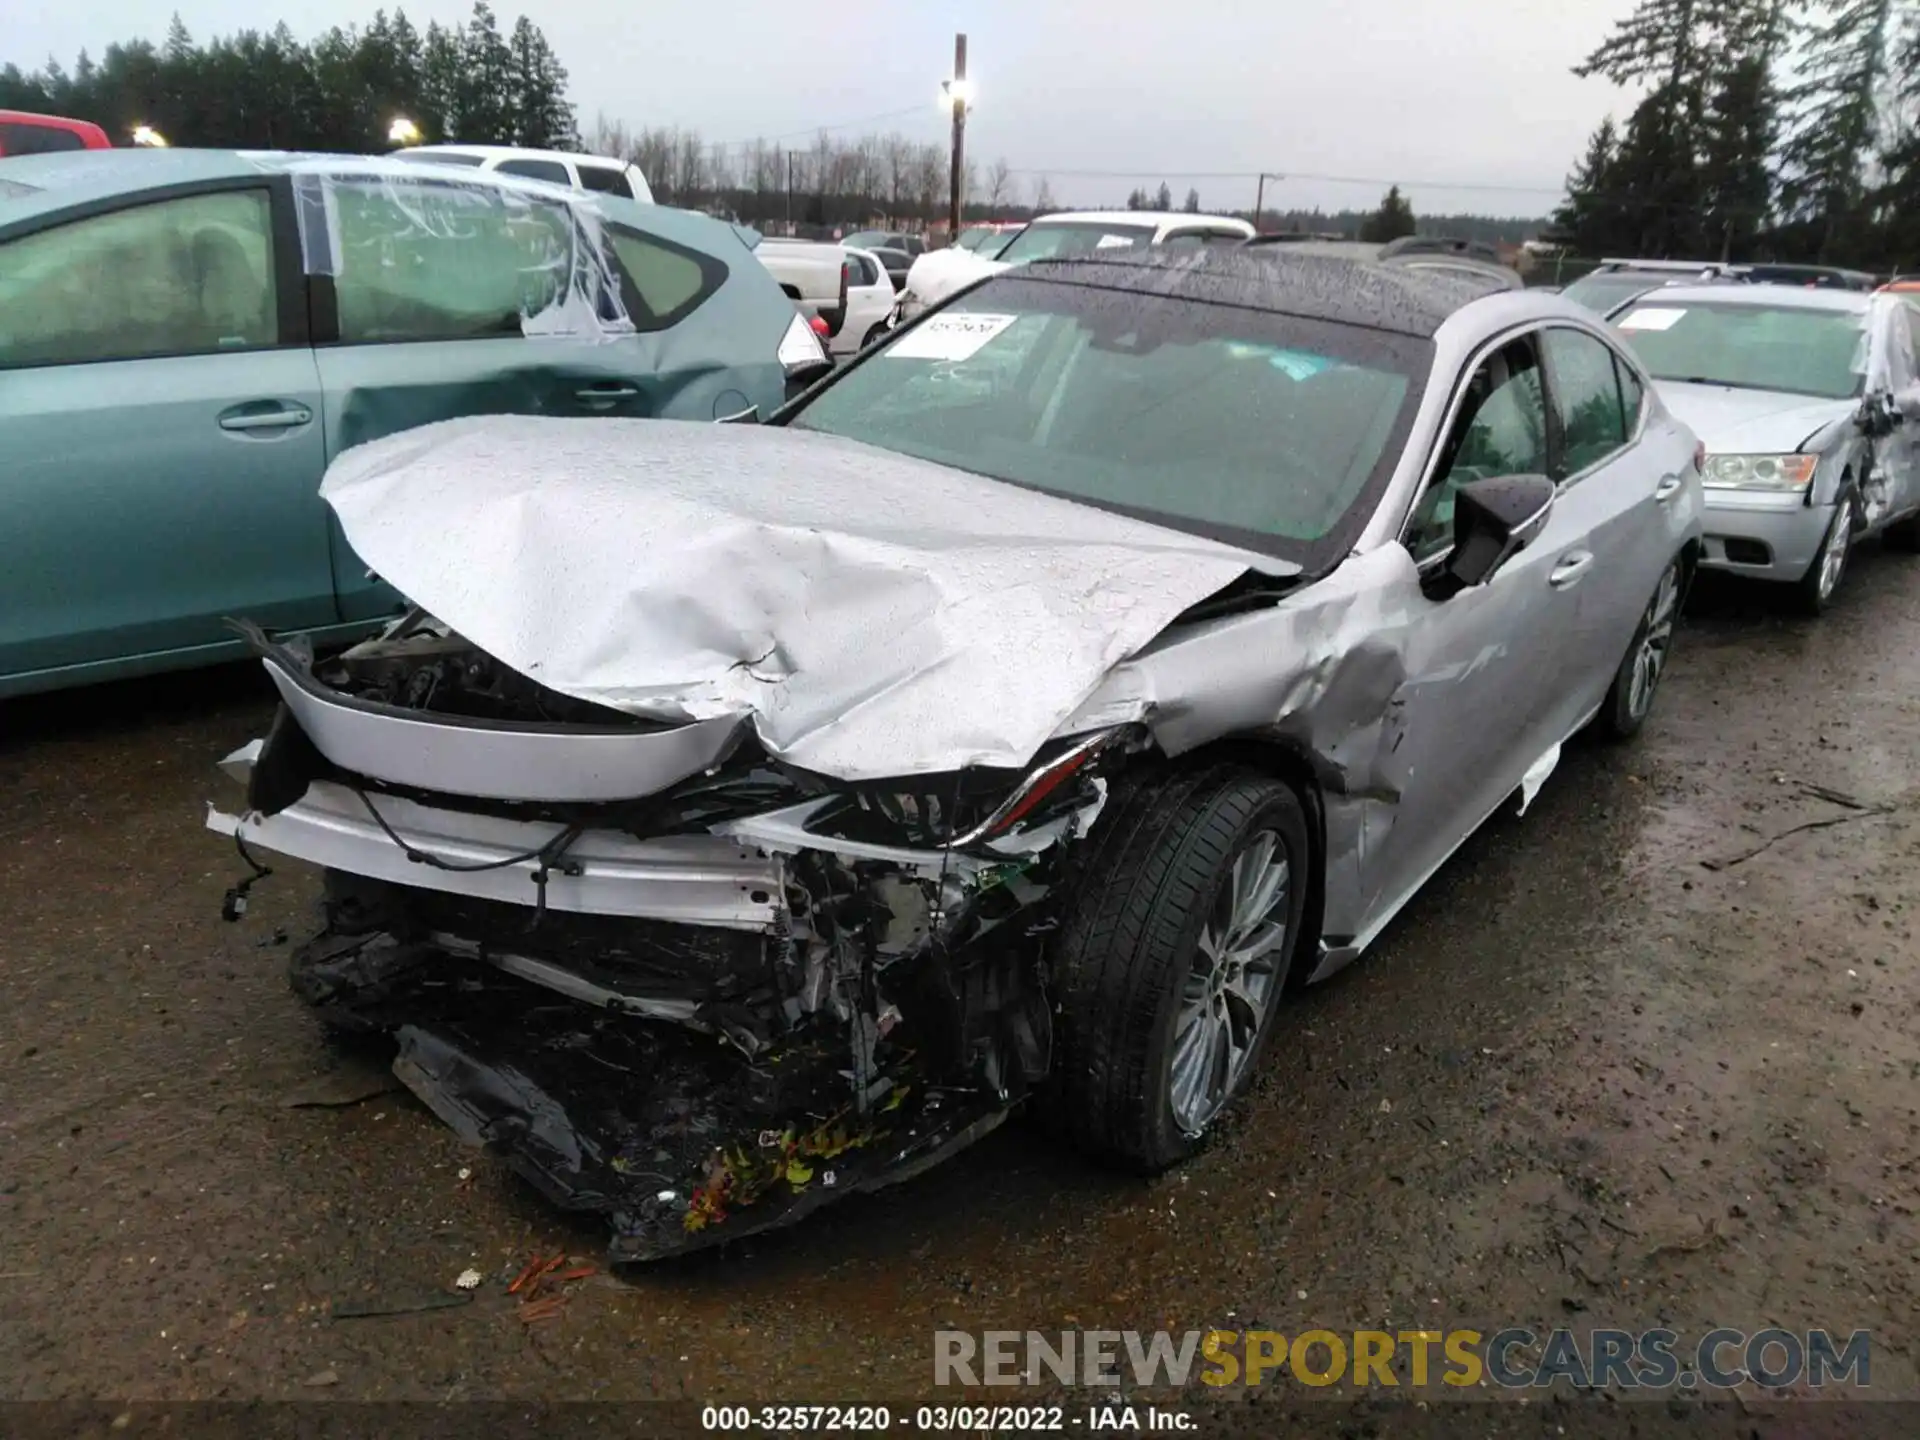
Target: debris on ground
{"x": 468, "y": 1279}
{"x": 400, "y": 1305}
{"x": 349, "y": 1083}
{"x": 325, "y": 1377}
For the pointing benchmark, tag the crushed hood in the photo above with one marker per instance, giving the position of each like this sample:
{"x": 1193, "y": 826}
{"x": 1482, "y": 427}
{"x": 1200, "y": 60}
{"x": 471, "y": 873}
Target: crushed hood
{"x": 874, "y": 614}
{"x": 1730, "y": 421}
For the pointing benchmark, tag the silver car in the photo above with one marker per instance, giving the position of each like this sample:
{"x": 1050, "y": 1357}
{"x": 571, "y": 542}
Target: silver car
{"x": 753, "y": 814}
{"x": 1803, "y": 399}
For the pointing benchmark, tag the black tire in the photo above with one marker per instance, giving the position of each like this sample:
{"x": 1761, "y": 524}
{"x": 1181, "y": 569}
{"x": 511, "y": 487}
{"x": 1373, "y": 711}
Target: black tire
{"x": 1145, "y": 886}
{"x": 1815, "y": 590}
{"x": 1627, "y": 705}
{"x": 875, "y": 335}
{"x": 1904, "y": 535}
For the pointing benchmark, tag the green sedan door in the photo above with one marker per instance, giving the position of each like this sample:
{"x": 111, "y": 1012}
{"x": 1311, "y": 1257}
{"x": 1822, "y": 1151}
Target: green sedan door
{"x": 160, "y": 436}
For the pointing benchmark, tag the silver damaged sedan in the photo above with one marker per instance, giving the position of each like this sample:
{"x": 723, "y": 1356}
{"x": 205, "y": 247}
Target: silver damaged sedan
{"x": 751, "y": 814}
{"x": 1805, "y": 401}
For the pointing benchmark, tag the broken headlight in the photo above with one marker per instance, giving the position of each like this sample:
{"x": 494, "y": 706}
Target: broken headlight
{"x": 971, "y": 807}
{"x": 1759, "y": 472}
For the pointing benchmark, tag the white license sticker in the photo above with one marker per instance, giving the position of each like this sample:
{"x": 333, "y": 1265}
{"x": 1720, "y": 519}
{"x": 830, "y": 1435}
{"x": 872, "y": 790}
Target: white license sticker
{"x": 1650, "y": 319}
{"x": 949, "y": 337}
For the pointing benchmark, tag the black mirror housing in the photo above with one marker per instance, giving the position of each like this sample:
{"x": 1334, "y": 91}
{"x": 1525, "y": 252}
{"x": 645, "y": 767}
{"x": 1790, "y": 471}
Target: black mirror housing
{"x": 1493, "y": 520}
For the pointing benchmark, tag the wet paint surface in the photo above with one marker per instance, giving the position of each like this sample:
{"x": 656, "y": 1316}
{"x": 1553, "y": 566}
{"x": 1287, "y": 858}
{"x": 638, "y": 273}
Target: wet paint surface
{"x": 1583, "y": 1079}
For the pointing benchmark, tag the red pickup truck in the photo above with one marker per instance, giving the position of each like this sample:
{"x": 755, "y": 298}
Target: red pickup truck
{"x": 24, "y": 134}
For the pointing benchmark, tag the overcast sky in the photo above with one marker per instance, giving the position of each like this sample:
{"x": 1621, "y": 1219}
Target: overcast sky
{"x": 1476, "y": 94}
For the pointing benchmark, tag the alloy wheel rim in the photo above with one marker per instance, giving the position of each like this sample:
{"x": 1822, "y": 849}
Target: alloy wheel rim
{"x": 1231, "y": 986}
{"x": 1833, "y": 555}
{"x": 1656, "y": 636}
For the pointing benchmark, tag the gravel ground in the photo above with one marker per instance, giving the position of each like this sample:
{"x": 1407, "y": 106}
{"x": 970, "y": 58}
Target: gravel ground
{"x": 1643, "y": 1057}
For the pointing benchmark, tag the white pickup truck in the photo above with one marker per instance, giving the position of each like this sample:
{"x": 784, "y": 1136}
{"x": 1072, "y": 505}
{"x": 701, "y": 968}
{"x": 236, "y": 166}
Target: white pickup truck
{"x": 815, "y": 276}
{"x": 938, "y": 273}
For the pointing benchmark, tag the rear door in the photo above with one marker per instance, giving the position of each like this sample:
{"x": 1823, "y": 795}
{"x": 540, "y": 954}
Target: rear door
{"x": 1616, "y": 487}
{"x": 160, "y": 428}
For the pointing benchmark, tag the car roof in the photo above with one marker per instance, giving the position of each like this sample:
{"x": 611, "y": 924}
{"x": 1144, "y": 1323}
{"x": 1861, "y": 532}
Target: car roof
{"x": 69, "y": 178}
{"x": 1762, "y": 295}
{"x": 1155, "y": 218}
{"x": 1314, "y": 287}
{"x": 511, "y": 152}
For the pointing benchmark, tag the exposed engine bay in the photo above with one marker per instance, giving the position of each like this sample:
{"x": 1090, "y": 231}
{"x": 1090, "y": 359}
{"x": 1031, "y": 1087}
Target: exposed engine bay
{"x": 700, "y": 1011}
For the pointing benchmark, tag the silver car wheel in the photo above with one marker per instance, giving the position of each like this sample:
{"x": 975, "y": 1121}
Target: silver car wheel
{"x": 1833, "y": 553}
{"x": 1656, "y": 637}
{"x": 1232, "y": 984}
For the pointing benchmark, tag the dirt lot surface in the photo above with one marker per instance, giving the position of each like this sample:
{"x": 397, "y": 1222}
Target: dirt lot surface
{"x": 1647, "y": 1056}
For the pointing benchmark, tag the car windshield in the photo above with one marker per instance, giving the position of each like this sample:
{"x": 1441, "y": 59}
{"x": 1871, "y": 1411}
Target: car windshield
{"x": 1074, "y": 238}
{"x": 1607, "y": 291}
{"x": 1260, "y": 429}
{"x": 869, "y": 240}
{"x": 1795, "y": 349}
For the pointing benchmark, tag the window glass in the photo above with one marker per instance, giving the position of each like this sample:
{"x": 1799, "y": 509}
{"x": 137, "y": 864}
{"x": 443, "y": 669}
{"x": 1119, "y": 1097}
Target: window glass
{"x": 1586, "y": 396}
{"x": 179, "y": 277}
{"x": 433, "y": 261}
{"x": 1052, "y": 242}
{"x": 668, "y": 280}
{"x": 436, "y": 157}
{"x": 21, "y": 139}
{"x": 1795, "y": 349}
{"x": 863, "y": 270}
{"x": 549, "y": 170}
{"x": 1264, "y": 428}
{"x": 1501, "y": 430}
{"x": 1632, "y": 394}
{"x": 607, "y": 179}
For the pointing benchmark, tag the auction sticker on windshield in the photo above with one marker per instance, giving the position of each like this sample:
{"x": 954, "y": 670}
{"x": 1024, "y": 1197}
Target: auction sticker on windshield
{"x": 1651, "y": 319}
{"x": 949, "y": 337}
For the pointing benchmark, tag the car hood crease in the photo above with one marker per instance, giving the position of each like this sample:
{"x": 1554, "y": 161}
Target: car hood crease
{"x": 876, "y": 615}
{"x": 1732, "y": 421}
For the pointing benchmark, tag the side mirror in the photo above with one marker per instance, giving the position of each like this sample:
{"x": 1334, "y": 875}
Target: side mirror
{"x": 1493, "y": 520}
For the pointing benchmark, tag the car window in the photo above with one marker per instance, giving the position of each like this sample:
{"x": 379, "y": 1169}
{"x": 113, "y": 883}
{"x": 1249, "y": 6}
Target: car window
{"x": 865, "y": 272}
{"x": 445, "y": 261}
{"x": 21, "y": 139}
{"x": 1750, "y": 345}
{"x": 1266, "y": 429}
{"x": 549, "y": 170}
{"x": 437, "y": 157}
{"x": 1586, "y": 397}
{"x": 179, "y": 277}
{"x": 1633, "y": 394}
{"x": 665, "y": 282}
{"x": 1501, "y": 429}
{"x": 1075, "y": 238}
{"x": 606, "y": 179}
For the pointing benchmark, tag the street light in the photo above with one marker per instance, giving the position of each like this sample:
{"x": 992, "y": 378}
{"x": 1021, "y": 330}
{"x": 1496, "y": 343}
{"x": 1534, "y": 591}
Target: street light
{"x": 148, "y": 136}
{"x": 403, "y": 132}
{"x": 956, "y": 94}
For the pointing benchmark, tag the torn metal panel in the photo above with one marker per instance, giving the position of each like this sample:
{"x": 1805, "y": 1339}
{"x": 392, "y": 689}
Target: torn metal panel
{"x": 877, "y": 615}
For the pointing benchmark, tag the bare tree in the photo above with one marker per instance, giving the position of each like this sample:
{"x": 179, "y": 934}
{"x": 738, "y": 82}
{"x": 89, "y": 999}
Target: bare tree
{"x": 1000, "y": 187}
{"x": 1043, "y": 201}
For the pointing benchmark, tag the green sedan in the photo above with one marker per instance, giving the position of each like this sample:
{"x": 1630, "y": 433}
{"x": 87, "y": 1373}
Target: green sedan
{"x": 189, "y": 338}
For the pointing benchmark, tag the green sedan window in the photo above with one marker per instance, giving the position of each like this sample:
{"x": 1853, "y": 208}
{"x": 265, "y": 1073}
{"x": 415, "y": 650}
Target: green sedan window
{"x": 178, "y": 277}
{"x": 430, "y": 261}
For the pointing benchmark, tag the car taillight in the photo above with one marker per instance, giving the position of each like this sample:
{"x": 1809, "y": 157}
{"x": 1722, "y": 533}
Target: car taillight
{"x": 800, "y": 353}
{"x": 820, "y": 327}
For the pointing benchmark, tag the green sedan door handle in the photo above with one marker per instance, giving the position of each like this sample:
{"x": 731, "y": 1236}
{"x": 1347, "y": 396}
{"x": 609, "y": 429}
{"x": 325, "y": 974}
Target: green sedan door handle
{"x": 244, "y": 418}
{"x": 602, "y": 397}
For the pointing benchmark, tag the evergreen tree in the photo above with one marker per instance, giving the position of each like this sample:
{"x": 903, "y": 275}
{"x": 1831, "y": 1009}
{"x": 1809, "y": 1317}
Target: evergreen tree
{"x": 1163, "y": 197}
{"x": 1836, "y": 126}
{"x": 1137, "y": 200}
{"x": 483, "y": 94}
{"x": 542, "y": 118}
{"x": 1588, "y": 220}
{"x": 439, "y": 104}
{"x": 1192, "y": 207}
{"x": 1392, "y": 220}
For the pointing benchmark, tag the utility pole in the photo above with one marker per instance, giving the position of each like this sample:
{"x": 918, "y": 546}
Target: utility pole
{"x": 1260, "y": 196}
{"x": 789, "y": 192}
{"x": 957, "y": 97}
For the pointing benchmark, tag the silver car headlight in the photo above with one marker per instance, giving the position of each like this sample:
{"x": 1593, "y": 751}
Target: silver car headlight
{"x": 1759, "y": 472}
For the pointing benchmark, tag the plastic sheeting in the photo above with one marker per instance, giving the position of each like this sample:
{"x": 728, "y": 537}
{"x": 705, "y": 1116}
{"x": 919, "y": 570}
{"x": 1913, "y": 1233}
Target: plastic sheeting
{"x": 395, "y": 235}
{"x": 875, "y": 614}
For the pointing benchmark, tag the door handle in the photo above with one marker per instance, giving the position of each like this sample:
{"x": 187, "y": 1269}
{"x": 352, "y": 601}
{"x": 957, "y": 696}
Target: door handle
{"x": 1572, "y": 566}
{"x": 605, "y": 394}
{"x": 1668, "y": 487}
{"x": 284, "y": 418}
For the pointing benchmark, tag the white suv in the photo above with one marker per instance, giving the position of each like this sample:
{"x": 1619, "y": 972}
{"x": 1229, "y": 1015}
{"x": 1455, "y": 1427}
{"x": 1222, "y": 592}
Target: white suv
{"x": 557, "y": 167}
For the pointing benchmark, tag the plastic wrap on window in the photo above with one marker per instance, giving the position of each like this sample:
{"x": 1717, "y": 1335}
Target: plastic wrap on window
{"x": 508, "y": 251}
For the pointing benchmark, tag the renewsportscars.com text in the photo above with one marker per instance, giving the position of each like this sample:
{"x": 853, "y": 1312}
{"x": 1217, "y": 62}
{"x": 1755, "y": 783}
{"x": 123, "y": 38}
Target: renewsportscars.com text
{"x": 1511, "y": 1359}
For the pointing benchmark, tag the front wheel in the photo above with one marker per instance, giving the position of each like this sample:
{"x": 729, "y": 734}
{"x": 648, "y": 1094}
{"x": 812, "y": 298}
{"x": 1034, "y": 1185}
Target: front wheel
{"x": 1630, "y": 698}
{"x": 1816, "y": 588}
{"x": 1178, "y": 937}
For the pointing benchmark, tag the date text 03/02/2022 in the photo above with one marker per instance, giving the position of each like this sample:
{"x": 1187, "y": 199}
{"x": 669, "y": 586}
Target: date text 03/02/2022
{"x": 939, "y": 1419}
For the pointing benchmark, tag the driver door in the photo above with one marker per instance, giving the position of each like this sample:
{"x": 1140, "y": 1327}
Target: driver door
{"x": 1483, "y": 666}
